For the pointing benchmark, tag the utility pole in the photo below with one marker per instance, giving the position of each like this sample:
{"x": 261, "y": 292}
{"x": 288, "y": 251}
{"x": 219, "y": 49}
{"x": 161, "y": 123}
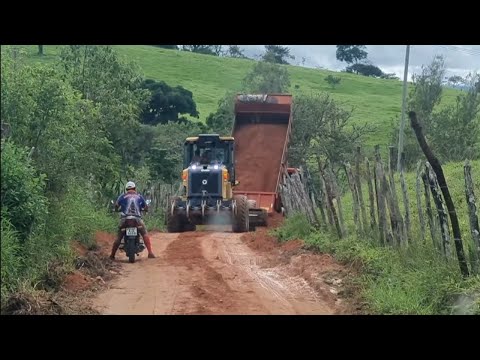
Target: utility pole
{"x": 404, "y": 104}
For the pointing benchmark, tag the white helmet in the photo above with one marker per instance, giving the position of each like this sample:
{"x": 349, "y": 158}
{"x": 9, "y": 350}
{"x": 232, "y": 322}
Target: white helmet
{"x": 130, "y": 185}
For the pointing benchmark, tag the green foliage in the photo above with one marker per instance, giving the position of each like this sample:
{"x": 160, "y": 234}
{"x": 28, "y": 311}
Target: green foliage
{"x": 75, "y": 216}
{"x": 221, "y": 121}
{"x": 295, "y": 226}
{"x": 63, "y": 131}
{"x": 10, "y": 261}
{"x": 351, "y": 53}
{"x": 167, "y": 103}
{"x": 277, "y": 54}
{"x": 365, "y": 70}
{"x": 323, "y": 128}
{"x": 22, "y": 190}
{"x": 166, "y": 156}
{"x": 59, "y": 154}
{"x": 427, "y": 90}
{"x": 155, "y": 221}
{"x": 114, "y": 86}
{"x": 333, "y": 81}
{"x": 235, "y": 51}
{"x": 266, "y": 78}
{"x": 415, "y": 281}
{"x": 215, "y": 50}
{"x": 425, "y": 95}
{"x": 455, "y": 130}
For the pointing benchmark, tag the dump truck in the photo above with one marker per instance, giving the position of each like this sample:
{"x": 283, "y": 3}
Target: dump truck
{"x": 234, "y": 179}
{"x": 261, "y": 129}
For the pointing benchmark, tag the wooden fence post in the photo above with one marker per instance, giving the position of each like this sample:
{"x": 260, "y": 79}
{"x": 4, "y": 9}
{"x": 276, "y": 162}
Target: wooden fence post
{"x": 473, "y": 218}
{"x": 371, "y": 196}
{"x": 358, "y": 184}
{"x": 406, "y": 204}
{"x": 421, "y": 217}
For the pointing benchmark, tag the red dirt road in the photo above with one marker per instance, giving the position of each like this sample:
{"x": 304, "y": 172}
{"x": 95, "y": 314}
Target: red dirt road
{"x": 214, "y": 272}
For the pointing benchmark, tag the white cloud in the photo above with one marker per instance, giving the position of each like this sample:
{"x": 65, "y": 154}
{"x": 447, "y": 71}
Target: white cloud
{"x": 459, "y": 59}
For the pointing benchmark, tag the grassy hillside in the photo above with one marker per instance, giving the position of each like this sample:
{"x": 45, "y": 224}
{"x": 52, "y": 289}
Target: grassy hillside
{"x": 376, "y": 101}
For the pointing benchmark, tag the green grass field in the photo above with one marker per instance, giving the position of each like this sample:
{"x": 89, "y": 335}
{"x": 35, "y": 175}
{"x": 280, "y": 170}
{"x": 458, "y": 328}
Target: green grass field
{"x": 376, "y": 101}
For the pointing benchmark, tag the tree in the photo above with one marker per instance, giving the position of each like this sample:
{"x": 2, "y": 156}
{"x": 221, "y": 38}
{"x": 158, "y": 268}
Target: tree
{"x": 167, "y": 103}
{"x": 365, "y": 69}
{"x": 40, "y": 49}
{"x": 456, "y": 79}
{"x": 113, "y": 86}
{"x": 427, "y": 90}
{"x": 217, "y": 49}
{"x": 455, "y": 130}
{"x": 203, "y": 49}
{"x": 22, "y": 190}
{"x": 333, "y": 80}
{"x": 65, "y": 134}
{"x": 263, "y": 78}
{"x": 235, "y": 51}
{"x": 221, "y": 121}
{"x": 166, "y": 155}
{"x": 424, "y": 96}
{"x": 277, "y": 54}
{"x": 266, "y": 78}
{"x": 390, "y": 76}
{"x": 351, "y": 53}
{"x": 323, "y": 128}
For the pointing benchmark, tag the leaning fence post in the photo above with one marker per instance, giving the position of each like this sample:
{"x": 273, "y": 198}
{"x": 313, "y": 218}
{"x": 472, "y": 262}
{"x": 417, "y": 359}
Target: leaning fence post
{"x": 442, "y": 212}
{"x": 472, "y": 212}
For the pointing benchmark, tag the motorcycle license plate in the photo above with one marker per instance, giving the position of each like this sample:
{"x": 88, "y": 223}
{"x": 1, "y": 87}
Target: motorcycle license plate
{"x": 131, "y": 231}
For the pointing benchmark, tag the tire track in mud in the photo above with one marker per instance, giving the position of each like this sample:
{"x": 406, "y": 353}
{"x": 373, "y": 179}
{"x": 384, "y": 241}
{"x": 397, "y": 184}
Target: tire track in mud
{"x": 208, "y": 272}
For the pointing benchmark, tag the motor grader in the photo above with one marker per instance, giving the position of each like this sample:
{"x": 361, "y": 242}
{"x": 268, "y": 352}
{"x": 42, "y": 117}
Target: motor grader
{"x": 212, "y": 191}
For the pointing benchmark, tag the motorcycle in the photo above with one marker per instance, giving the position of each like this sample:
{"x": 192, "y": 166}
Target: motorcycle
{"x": 132, "y": 243}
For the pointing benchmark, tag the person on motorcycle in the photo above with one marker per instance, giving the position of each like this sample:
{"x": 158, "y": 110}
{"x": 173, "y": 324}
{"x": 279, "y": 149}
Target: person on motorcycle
{"x": 131, "y": 203}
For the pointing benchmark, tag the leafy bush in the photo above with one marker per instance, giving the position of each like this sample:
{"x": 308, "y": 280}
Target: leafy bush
{"x": 21, "y": 190}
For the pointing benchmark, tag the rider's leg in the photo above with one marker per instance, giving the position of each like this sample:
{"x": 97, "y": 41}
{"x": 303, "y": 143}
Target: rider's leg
{"x": 146, "y": 239}
{"x": 118, "y": 240}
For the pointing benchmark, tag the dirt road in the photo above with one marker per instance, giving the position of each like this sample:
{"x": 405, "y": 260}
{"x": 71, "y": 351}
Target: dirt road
{"x": 213, "y": 272}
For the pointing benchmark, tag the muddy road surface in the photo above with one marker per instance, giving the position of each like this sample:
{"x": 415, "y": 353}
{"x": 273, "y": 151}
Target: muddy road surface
{"x": 215, "y": 271}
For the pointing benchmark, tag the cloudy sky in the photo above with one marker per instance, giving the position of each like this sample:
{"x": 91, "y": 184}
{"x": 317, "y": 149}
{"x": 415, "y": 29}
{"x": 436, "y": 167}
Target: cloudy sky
{"x": 459, "y": 59}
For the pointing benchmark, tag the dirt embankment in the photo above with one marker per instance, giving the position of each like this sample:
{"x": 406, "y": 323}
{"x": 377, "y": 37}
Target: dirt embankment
{"x": 71, "y": 293}
{"x": 258, "y": 151}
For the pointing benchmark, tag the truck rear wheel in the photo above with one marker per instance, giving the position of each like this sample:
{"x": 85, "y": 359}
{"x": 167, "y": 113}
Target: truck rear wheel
{"x": 241, "y": 218}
